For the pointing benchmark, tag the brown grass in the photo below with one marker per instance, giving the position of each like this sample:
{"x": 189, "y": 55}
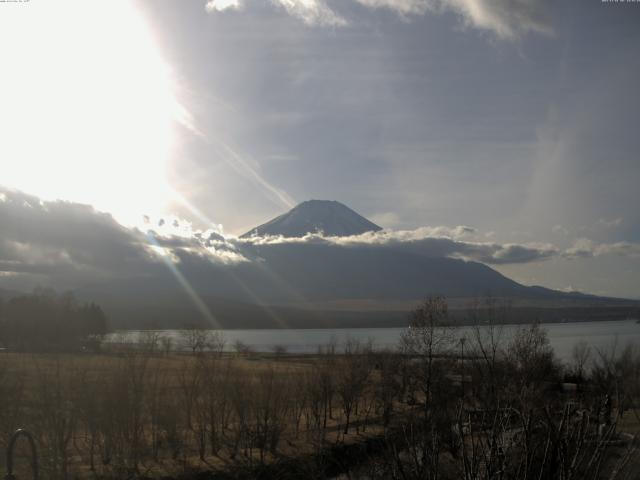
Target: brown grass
{"x": 74, "y": 395}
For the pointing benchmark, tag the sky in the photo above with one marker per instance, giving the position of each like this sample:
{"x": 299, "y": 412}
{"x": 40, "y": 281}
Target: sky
{"x": 515, "y": 118}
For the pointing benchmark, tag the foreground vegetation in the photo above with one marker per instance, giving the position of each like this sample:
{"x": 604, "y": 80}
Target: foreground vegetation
{"x": 483, "y": 407}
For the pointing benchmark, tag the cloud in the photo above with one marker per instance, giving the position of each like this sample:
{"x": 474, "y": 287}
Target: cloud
{"x": 586, "y": 248}
{"x": 311, "y": 12}
{"x": 506, "y": 19}
{"x": 624, "y": 249}
{"x": 38, "y": 237}
{"x": 68, "y": 244}
{"x": 609, "y": 223}
{"x": 222, "y": 5}
{"x": 427, "y": 241}
{"x": 73, "y": 243}
{"x": 210, "y": 246}
{"x": 401, "y": 7}
{"x": 560, "y": 229}
{"x": 516, "y": 253}
{"x": 582, "y": 248}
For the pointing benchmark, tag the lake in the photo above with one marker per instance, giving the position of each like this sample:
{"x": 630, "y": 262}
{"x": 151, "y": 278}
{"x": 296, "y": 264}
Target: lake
{"x": 562, "y": 336}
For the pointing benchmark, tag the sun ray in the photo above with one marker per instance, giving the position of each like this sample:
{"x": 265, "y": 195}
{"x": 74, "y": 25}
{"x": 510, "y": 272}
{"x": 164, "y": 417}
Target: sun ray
{"x": 202, "y": 307}
{"x": 206, "y": 221}
{"x": 242, "y": 167}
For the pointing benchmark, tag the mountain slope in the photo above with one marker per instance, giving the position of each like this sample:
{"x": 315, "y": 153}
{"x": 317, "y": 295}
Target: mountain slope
{"x": 300, "y": 283}
{"x": 314, "y": 216}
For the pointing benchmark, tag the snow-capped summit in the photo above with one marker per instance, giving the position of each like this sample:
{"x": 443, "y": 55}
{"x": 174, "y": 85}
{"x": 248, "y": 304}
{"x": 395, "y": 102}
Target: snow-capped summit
{"x": 316, "y": 216}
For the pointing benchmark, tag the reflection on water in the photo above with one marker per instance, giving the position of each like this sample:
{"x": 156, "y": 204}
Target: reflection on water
{"x": 599, "y": 335}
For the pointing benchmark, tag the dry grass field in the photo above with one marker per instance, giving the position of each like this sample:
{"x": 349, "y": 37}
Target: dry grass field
{"x": 135, "y": 413}
{"x": 505, "y": 411}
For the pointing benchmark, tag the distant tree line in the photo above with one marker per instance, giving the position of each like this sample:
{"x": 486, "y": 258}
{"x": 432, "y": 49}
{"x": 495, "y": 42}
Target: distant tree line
{"x": 47, "y": 321}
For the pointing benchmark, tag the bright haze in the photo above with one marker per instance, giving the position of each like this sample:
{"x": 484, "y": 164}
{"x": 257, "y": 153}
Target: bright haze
{"x": 493, "y": 138}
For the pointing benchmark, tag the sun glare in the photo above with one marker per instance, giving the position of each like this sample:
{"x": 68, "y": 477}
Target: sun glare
{"x": 87, "y": 110}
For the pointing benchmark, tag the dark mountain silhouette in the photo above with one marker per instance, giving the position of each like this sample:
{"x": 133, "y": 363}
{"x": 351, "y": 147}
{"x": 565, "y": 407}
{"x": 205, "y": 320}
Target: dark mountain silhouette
{"x": 297, "y": 287}
{"x": 309, "y": 284}
{"x": 316, "y": 216}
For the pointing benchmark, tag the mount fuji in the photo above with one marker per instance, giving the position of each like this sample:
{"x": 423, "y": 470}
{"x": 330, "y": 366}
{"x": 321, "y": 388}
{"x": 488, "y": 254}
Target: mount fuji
{"x": 310, "y": 284}
{"x": 328, "y": 217}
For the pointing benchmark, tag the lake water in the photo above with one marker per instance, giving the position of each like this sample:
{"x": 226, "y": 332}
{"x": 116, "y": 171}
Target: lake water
{"x": 562, "y": 336}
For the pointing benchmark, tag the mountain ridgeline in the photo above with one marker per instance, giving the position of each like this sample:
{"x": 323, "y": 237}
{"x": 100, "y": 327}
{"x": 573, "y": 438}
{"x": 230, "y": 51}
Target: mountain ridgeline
{"x": 322, "y": 284}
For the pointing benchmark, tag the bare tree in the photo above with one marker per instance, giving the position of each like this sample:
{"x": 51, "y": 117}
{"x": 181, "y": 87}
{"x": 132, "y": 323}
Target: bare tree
{"x": 190, "y": 382}
{"x": 166, "y": 343}
{"x": 149, "y": 341}
{"x": 270, "y": 409}
{"x": 241, "y": 348}
{"x": 55, "y": 415}
{"x": 12, "y": 393}
{"x": 352, "y": 374}
{"x": 580, "y": 354}
{"x": 388, "y": 388}
{"x": 428, "y": 337}
{"x": 486, "y": 348}
{"x": 532, "y": 361}
{"x": 279, "y": 350}
{"x": 216, "y": 377}
{"x": 428, "y": 341}
{"x": 193, "y": 340}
